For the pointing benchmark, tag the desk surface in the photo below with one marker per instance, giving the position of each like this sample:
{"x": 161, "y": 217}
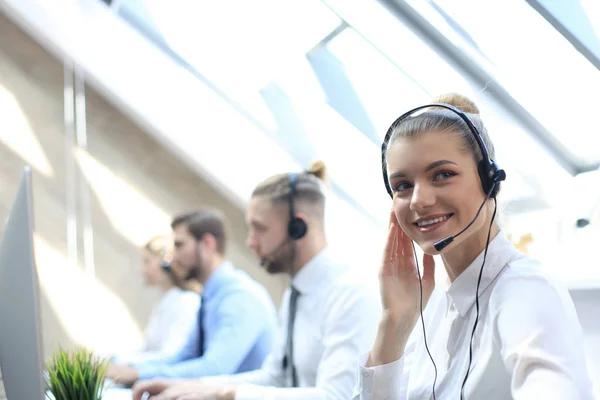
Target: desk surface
{"x": 109, "y": 394}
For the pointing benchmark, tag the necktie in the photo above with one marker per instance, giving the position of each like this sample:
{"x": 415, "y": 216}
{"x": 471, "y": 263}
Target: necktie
{"x": 201, "y": 328}
{"x": 288, "y": 360}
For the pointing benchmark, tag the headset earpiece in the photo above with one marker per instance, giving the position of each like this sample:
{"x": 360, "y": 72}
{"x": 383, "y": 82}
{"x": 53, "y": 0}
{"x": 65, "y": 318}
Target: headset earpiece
{"x": 297, "y": 227}
{"x": 165, "y": 265}
{"x": 491, "y": 176}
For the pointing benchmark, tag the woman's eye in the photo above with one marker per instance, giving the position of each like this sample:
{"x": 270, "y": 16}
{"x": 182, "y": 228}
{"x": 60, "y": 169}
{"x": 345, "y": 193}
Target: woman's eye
{"x": 440, "y": 176}
{"x": 402, "y": 186}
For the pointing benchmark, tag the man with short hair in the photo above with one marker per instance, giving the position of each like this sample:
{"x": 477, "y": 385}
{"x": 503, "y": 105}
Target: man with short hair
{"x": 237, "y": 319}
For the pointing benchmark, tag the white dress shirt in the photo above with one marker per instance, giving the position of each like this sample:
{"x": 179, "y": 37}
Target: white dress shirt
{"x": 528, "y": 343}
{"x": 172, "y": 322}
{"x": 336, "y": 321}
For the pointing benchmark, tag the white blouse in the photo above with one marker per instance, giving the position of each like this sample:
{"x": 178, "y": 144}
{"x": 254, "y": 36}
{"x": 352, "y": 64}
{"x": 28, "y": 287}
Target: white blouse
{"x": 173, "y": 320}
{"x": 528, "y": 343}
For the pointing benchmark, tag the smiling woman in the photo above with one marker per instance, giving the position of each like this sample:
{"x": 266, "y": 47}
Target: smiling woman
{"x": 434, "y": 197}
{"x": 500, "y": 328}
{"x": 439, "y": 160}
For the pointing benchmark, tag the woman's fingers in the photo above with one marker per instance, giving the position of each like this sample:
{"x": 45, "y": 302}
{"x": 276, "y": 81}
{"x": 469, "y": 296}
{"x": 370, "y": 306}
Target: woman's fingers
{"x": 389, "y": 253}
{"x": 407, "y": 248}
{"x": 399, "y": 251}
{"x": 393, "y": 219}
{"x": 390, "y": 245}
{"x": 392, "y": 239}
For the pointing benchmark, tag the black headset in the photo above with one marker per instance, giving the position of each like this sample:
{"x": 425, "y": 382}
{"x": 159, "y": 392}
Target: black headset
{"x": 296, "y": 226}
{"x": 490, "y": 174}
{"x": 165, "y": 265}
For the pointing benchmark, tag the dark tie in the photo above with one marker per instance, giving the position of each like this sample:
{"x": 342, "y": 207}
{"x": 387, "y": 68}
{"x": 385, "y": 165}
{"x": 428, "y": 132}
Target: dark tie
{"x": 288, "y": 359}
{"x": 201, "y": 328}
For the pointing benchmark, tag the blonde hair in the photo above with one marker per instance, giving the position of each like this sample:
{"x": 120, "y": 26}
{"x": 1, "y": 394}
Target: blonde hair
{"x": 443, "y": 120}
{"x": 159, "y": 245}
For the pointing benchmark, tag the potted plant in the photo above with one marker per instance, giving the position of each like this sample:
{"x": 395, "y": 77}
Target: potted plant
{"x": 76, "y": 375}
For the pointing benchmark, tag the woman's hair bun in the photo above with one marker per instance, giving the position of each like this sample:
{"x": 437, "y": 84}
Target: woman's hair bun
{"x": 463, "y": 103}
{"x": 318, "y": 169}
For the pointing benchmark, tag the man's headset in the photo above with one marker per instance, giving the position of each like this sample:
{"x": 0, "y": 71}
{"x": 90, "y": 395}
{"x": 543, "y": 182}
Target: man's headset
{"x": 297, "y": 227}
{"x": 490, "y": 176}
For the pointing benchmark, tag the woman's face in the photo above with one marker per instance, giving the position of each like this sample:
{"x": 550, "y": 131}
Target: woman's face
{"x": 151, "y": 267}
{"x": 436, "y": 188}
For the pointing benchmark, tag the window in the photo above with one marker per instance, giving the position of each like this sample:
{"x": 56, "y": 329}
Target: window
{"x": 539, "y": 68}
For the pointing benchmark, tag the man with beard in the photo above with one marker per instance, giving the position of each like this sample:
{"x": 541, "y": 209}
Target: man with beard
{"x": 237, "y": 319}
{"x": 324, "y": 315}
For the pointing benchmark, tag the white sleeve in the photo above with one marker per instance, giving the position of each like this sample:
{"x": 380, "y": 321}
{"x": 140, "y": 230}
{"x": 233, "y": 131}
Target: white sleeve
{"x": 387, "y": 381}
{"x": 268, "y": 375}
{"x": 253, "y": 385}
{"x": 540, "y": 340}
{"x": 380, "y": 382}
{"x": 390, "y": 381}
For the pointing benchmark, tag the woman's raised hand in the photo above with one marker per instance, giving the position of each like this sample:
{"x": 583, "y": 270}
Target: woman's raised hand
{"x": 400, "y": 289}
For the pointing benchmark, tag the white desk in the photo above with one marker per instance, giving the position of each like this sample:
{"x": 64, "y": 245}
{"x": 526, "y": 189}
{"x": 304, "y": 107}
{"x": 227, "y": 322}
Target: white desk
{"x": 109, "y": 394}
{"x": 117, "y": 394}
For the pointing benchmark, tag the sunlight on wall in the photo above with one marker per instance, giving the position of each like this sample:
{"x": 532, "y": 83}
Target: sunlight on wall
{"x": 575, "y": 260}
{"x": 16, "y": 134}
{"x": 129, "y": 211}
{"x": 90, "y": 313}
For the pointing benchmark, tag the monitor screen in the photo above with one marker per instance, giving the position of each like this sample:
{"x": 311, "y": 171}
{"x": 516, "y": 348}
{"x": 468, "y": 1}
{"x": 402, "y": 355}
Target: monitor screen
{"x": 21, "y": 356}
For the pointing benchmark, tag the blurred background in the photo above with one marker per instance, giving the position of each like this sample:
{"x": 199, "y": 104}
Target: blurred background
{"x": 131, "y": 111}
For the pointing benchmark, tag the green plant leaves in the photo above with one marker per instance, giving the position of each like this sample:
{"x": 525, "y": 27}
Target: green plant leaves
{"x": 76, "y": 375}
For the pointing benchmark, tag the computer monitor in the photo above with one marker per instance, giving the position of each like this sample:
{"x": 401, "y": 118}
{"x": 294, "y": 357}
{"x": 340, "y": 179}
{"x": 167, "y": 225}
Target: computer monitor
{"x": 21, "y": 355}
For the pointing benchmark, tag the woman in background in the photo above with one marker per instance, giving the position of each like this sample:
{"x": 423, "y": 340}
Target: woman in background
{"x": 174, "y": 318}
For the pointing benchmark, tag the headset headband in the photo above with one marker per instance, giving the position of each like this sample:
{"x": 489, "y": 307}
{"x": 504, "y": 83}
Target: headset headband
{"x": 489, "y": 172}
{"x": 293, "y": 180}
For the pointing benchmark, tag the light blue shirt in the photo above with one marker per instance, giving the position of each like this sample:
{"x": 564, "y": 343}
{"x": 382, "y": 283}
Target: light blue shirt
{"x": 240, "y": 321}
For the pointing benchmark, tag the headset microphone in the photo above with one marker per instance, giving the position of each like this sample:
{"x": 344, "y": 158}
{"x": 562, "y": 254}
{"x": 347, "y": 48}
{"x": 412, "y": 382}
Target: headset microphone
{"x": 442, "y": 244}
